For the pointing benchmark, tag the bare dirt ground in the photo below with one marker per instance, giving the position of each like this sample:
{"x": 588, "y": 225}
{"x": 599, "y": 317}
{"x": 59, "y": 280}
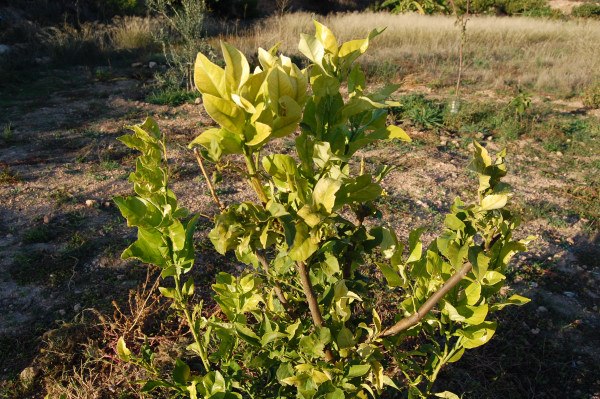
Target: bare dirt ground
{"x": 61, "y": 235}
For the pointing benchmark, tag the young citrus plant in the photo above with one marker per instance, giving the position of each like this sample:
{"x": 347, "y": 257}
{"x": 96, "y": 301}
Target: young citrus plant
{"x": 301, "y": 320}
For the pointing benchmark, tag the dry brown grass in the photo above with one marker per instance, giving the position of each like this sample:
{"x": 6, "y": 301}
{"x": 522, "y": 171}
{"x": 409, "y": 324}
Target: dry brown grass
{"x": 548, "y": 55}
{"x": 130, "y": 33}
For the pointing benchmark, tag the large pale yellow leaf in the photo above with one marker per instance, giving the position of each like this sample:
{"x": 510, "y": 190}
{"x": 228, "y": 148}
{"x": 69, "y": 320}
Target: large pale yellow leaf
{"x": 252, "y": 88}
{"x": 237, "y": 69}
{"x": 266, "y": 59}
{"x": 229, "y": 142}
{"x": 327, "y": 38}
{"x": 226, "y": 113}
{"x": 208, "y": 77}
{"x": 291, "y": 114}
{"x": 261, "y": 133}
{"x": 279, "y": 85}
{"x": 493, "y": 201}
{"x": 312, "y": 48}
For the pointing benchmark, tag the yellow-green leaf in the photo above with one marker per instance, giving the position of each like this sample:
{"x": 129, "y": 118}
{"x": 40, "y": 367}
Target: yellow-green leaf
{"x": 237, "y": 69}
{"x": 225, "y": 113}
{"x": 279, "y": 85}
{"x": 229, "y": 142}
{"x": 290, "y": 114}
{"x": 260, "y": 134}
{"x": 312, "y": 48}
{"x": 122, "y": 351}
{"x": 326, "y": 37}
{"x": 493, "y": 201}
{"x": 208, "y": 77}
{"x": 303, "y": 246}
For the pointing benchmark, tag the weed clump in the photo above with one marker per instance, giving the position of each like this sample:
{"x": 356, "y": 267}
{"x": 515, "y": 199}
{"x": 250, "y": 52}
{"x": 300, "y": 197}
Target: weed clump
{"x": 7, "y": 176}
{"x": 591, "y": 96}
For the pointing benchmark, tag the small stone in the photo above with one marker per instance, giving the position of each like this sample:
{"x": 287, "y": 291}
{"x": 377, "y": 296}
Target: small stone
{"x": 479, "y": 135}
{"x": 490, "y": 138}
{"x": 152, "y": 64}
{"x": 120, "y": 276}
{"x": 560, "y": 154}
{"x": 443, "y": 142}
{"x": 568, "y": 140}
{"x": 46, "y": 219}
{"x": 9, "y": 235}
{"x": 533, "y": 284}
{"x": 90, "y": 203}
{"x": 569, "y": 294}
{"x": 28, "y": 375}
{"x": 107, "y": 204}
{"x": 535, "y": 331}
{"x": 136, "y": 65}
{"x": 77, "y": 307}
{"x": 198, "y": 101}
{"x": 62, "y": 312}
{"x": 471, "y": 146}
{"x": 542, "y": 309}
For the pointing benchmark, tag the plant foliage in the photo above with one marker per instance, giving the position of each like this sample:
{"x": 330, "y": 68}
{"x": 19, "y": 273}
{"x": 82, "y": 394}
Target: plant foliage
{"x": 301, "y": 321}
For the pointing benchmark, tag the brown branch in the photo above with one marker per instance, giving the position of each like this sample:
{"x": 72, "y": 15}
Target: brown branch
{"x": 210, "y": 187}
{"x": 313, "y": 304}
{"x": 277, "y": 289}
{"x": 413, "y": 319}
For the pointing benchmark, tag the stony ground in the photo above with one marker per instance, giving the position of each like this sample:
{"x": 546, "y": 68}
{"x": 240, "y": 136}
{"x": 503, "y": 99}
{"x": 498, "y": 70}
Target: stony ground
{"x": 61, "y": 235}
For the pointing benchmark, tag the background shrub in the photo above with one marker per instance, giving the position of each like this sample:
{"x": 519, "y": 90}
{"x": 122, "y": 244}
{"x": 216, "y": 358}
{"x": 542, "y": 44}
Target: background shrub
{"x": 587, "y": 10}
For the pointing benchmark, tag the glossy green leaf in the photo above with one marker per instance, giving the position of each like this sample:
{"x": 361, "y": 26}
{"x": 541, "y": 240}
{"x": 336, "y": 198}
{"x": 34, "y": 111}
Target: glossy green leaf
{"x": 513, "y": 300}
{"x": 358, "y": 370}
{"x": 453, "y": 223}
{"x": 345, "y": 338}
{"x": 393, "y": 278}
{"x": 181, "y": 372}
{"x": 416, "y": 246}
{"x": 480, "y": 262}
{"x": 304, "y": 245}
{"x": 477, "y": 335}
{"x": 147, "y": 248}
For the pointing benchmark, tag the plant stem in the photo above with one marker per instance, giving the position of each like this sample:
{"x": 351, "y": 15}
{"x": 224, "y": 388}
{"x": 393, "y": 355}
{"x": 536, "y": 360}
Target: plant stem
{"x": 210, "y": 187}
{"x": 313, "y": 304}
{"x": 428, "y": 305}
{"x": 190, "y": 321}
{"x": 277, "y": 289}
{"x": 254, "y": 180}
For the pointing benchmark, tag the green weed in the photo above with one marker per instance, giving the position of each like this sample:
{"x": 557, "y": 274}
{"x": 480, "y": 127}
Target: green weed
{"x": 39, "y": 233}
{"x": 172, "y": 97}
{"x": 8, "y": 176}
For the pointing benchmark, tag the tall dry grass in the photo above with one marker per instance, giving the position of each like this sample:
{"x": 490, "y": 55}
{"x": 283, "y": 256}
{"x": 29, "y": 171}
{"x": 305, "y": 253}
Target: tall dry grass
{"x": 131, "y": 33}
{"x": 559, "y": 57}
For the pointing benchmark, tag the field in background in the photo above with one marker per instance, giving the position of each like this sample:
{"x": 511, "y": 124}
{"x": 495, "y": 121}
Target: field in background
{"x": 549, "y": 56}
